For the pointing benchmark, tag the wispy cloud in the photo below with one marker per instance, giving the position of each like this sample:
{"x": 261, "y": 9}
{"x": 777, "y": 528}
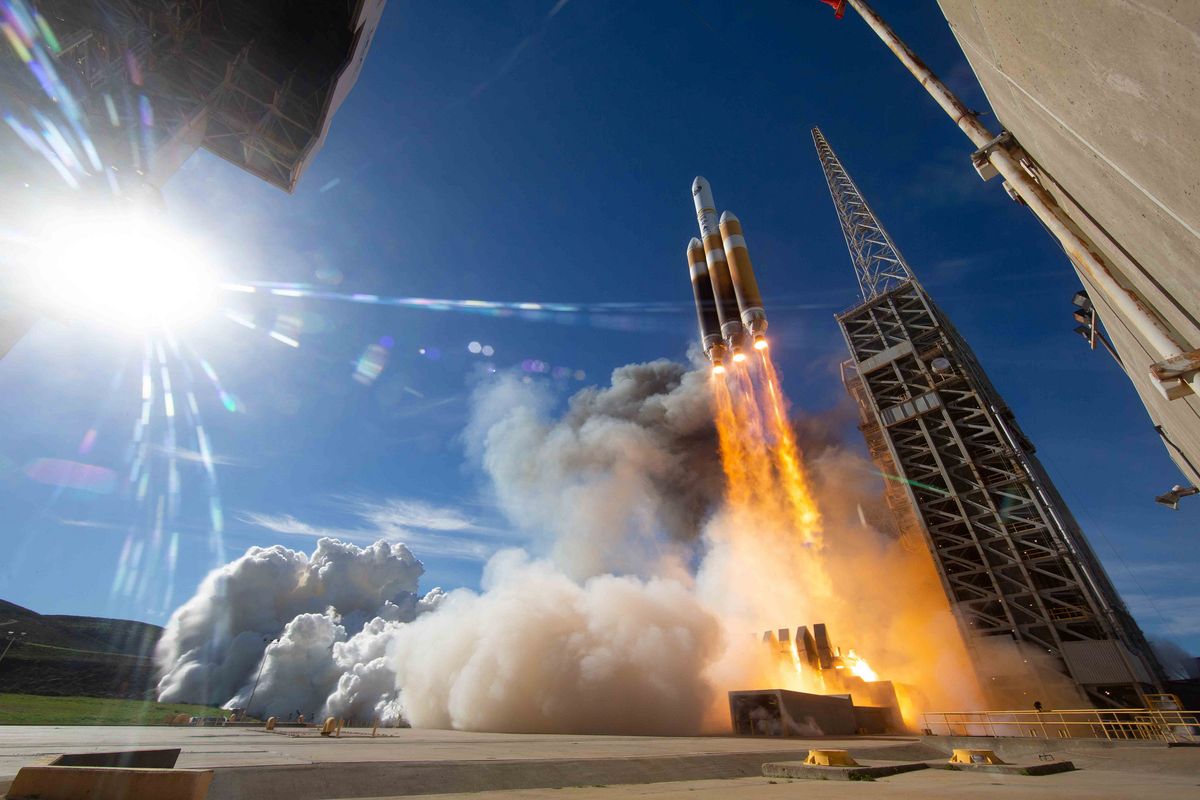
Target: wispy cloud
{"x": 289, "y": 525}
{"x": 427, "y": 529}
{"x": 1174, "y": 616}
{"x": 94, "y": 523}
{"x": 514, "y": 55}
{"x": 415, "y": 514}
{"x": 183, "y": 454}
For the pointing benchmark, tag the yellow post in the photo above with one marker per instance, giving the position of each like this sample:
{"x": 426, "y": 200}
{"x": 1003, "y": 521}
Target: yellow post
{"x": 830, "y": 758}
{"x": 375, "y": 727}
{"x": 968, "y": 756}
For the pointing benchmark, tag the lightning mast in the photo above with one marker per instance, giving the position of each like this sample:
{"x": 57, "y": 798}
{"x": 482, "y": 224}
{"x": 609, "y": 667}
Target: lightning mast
{"x": 1013, "y": 561}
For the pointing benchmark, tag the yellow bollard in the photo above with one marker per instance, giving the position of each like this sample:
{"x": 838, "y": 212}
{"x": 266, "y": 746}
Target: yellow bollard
{"x": 830, "y": 758}
{"x": 329, "y": 726}
{"x": 375, "y": 728}
{"x": 967, "y": 756}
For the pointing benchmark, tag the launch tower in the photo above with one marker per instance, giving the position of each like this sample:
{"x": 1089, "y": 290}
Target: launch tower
{"x": 1014, "y": 563}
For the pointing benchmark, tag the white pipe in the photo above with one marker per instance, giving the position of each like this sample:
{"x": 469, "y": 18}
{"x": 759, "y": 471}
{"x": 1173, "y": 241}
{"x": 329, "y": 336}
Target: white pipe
{"x": 1133, "y": 307}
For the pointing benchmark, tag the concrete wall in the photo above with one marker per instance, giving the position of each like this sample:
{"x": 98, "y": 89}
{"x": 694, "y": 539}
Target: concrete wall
{"x": 1105, "y": 96}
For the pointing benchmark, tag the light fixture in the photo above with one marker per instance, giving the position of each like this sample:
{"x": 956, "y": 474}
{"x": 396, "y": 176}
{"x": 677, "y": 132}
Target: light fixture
{"x": 1171, "y": 499}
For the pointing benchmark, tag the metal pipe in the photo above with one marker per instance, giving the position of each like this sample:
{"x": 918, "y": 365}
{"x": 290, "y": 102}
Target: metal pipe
{"x": 1147, "y": 324}
{"x": 261, "y": 664}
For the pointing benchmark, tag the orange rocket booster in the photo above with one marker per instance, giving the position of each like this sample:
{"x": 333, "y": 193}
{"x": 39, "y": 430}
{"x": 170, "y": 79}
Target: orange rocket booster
{"x": 745, "y": 286}
{"x": 706, "y": 306}
{"x": 718, "y": 268}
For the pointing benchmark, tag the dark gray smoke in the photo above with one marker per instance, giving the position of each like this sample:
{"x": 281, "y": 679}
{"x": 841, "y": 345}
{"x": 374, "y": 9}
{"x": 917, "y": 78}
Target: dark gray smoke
{"x": 626, "y": 473}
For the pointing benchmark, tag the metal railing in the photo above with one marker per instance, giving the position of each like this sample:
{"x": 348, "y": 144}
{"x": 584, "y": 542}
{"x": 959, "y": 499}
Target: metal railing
{"x": 1138, "y": 724}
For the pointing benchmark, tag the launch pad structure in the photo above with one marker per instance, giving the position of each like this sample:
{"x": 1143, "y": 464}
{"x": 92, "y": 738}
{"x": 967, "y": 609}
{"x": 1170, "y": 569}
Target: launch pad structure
{"x": 964, "y": 483}
{"x": 256, "y": 83}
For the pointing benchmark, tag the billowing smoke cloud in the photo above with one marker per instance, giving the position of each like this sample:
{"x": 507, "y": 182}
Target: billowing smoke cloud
{"x": 539, "y": 652}
{"x": 628, "y": 616}
{"x": 625, "y": 474}
{"x": 214, "y": 643}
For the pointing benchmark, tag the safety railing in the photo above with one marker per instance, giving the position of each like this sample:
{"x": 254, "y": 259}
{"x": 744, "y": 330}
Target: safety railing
{"x": 1145, "y": 724}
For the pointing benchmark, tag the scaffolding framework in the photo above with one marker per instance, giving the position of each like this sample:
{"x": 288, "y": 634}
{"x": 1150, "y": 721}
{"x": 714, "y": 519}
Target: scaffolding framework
{"x": 252, "y": 82}
{"x": 1011, "y": 558}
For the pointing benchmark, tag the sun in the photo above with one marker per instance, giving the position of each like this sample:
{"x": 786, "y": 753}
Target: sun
{"x": 130, "y": 270}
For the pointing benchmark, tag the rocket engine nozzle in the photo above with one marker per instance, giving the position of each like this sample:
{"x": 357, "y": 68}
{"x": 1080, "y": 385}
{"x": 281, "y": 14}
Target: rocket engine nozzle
{"x": 717, "y": 356}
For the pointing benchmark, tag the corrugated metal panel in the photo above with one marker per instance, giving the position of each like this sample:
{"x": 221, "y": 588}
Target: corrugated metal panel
{"x": 1103, "y": 662}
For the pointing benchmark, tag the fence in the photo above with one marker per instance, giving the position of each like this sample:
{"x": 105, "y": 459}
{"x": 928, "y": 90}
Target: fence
{"x": 1144, "y": 724}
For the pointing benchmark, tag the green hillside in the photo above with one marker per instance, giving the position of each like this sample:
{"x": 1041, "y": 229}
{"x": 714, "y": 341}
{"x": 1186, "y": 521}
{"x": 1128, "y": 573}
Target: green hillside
{"x": 27, "y": 709}
{"x": 70, "y": 655}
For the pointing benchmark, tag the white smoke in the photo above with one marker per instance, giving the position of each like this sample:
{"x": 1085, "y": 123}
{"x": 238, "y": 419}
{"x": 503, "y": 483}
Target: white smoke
{"x": 539, "y": 652}
{"x": 214, "y": 644}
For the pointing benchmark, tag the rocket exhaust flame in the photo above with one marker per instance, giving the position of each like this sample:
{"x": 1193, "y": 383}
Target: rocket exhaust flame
{"x": 774, "y": 536}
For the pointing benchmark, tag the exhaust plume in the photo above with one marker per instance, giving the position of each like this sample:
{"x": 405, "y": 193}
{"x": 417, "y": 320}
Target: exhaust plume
{"x": 658, "y": 548}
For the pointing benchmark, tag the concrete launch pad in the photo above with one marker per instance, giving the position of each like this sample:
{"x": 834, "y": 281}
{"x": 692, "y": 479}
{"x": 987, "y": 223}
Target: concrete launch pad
{"x": 404, "y": 763}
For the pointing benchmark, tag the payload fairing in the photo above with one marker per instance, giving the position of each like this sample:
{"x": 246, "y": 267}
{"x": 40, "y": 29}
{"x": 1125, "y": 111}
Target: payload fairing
{"x": 728, "y": 305}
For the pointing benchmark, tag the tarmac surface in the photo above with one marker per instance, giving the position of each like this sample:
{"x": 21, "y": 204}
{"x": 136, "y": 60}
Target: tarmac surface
{"x": 453, "y": 764}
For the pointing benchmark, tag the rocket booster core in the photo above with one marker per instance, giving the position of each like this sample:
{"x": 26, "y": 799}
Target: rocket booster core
{"x": 745, "y": 286}
{"x": 718, "y": 266}
{"x": 706, "y": 306}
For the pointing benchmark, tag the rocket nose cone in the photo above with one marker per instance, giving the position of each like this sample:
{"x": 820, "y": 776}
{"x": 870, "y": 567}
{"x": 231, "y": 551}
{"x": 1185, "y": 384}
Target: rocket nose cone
{"x": 695, "y": 244}
{"x": 728, "y": 216}
{"x": 699, "y": 185}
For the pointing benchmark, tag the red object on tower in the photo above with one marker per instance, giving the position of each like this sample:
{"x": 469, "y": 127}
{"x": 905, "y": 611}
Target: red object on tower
{"x": 839, "y": 7}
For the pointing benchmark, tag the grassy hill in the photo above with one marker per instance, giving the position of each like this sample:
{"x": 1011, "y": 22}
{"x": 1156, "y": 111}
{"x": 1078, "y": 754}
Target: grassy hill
{"x": 27, "y": 709}
{"x": 69, "y": 655}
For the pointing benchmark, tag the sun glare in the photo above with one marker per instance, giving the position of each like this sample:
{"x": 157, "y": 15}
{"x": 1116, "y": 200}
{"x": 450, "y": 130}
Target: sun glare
{"x": 128, "y": 270}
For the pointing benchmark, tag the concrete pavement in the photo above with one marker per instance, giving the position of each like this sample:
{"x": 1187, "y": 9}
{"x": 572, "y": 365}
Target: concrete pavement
{"x": 300, "y": 765}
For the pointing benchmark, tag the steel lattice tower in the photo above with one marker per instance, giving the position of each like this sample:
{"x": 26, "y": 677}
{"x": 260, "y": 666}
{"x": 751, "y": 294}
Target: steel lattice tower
{"x": 1013, "y": 561}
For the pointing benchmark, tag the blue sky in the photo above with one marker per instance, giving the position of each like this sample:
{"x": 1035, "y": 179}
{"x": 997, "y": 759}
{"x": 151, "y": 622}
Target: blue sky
{"x": 503, "y": 153}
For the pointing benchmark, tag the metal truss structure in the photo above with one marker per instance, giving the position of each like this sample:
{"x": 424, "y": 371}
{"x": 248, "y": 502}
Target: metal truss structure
{"x": 1012, "y": 560}
{"x": 877, "y": 260}
{"x": 252, "y": 82}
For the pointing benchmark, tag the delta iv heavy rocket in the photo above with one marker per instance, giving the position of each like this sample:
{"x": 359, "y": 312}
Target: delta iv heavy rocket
{"x": 728, "y": 305}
